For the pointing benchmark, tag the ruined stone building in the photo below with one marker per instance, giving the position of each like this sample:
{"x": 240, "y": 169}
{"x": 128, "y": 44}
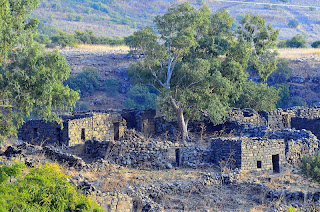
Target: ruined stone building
{"x": 249, "y": 154}
{"x": 77, "y": 128}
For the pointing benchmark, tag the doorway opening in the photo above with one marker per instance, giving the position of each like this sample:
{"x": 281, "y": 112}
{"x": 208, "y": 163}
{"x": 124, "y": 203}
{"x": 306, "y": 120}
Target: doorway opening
{"x": 116, "y": 132}
{"x": 275, "y": 163}
{"x": 178, "y": 157}
{"x": 83, "y": 134}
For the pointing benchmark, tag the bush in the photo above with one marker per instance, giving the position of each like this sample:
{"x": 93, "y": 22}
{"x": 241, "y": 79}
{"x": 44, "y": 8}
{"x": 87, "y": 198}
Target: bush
{"x": 141, "y": 97}
{"x": 111, "y": 86}
{"x": 316, "y": 44}
{"x": 64, "y": 39}
{"x": 293, "y": 23}
{"x": 44, "y": 188}
{"x": 87, "y": 81}
{"x": 310, "y": 166}
{"x": 298, "y": 41}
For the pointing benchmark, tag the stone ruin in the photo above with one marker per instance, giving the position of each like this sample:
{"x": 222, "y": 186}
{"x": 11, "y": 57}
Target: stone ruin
{"x": 75, "y": 129}
{"x": 262, "y": 140}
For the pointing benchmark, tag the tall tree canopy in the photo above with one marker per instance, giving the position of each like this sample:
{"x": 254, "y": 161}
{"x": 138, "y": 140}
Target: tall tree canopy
{"x": 31, "y": 80}
{"x": 198, "y": 63}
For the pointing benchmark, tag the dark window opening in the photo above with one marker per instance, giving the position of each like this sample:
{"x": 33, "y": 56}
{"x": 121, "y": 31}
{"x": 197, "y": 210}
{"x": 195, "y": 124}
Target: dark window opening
{"x": 35, "y": 133}
{"x": 83, "y": 134}
{"x": 259, "y": 164}
{"x": 275, "y": 163}
{"x": 116, "y": 131}
{"x": 177, "y": 157}
{"x": 58, "y": 134}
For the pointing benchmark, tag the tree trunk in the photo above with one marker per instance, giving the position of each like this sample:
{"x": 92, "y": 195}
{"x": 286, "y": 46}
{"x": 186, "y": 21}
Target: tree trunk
{"x": 182, "y": 124}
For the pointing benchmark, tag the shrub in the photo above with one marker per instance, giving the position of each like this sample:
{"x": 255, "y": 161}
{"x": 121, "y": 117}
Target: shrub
{"x": 87, "y": 81}
{"x": 141, "y": 97}
{"x": 64, "y": 39}
{"x": 111, "y": 86}
{"x": 44, "y": 188}
{"x": 310, "y": 166}
{"x": 298, "y": 41}
{"x": 293, "y": 23}
{"x": 316, "y": 44}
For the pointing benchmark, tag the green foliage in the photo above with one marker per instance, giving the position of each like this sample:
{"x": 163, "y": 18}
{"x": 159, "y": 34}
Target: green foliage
{"x": 293, "y": 209}
{"x": 64, "y": 39}
{"x": 141, "y": 97}
{"x": 298, "y": 41}
{"x": 199, "y": 64}
{"x": 44, "y": 188}
{"x": 32, "y": 81}
{"x": 87, "y": 81}
{"x": 293, "y": 23}
{"x": 316, "y": 44}
{"x": 284, "y": 94}
{"x": 253, "y": 91}
{"x": 310, "y": 166}
{"x": 111, "y": 86}
{"x": 281, "y": 74}
{"x": 42, "y": 39}
{"x": 16, "y": 28}
{"x": 73, "y": 17}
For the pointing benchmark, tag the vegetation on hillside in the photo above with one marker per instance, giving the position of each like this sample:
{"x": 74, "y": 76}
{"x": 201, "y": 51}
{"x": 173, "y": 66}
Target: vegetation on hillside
{"x": 43, "y": 188}
{"x": 200, "y": 64}
{"x": 31, "y": 80}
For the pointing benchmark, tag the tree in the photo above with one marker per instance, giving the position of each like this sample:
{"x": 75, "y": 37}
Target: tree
{"x": 31, "y": 80}
{"x": 197, "y": 62}
{"x": 15, "y": 27}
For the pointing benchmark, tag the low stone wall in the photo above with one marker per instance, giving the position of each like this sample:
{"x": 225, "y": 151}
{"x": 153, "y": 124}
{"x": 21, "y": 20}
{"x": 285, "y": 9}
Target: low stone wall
{"x": 137, "y": 153}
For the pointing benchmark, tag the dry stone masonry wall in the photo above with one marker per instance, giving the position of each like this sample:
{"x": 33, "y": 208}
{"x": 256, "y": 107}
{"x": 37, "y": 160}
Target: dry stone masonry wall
{"x": 249, "y": 153}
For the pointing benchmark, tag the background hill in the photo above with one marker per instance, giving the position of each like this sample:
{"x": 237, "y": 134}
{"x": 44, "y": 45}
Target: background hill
{"x": 123, "y": 17}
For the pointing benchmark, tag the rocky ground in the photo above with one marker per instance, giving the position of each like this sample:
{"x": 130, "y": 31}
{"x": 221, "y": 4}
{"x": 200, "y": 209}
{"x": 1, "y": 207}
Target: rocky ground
{"x": 120, "y": 188}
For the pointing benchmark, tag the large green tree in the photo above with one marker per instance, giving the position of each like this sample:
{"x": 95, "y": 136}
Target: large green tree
{"x": 31, "y": 80}
{"x": 199, "y": 64}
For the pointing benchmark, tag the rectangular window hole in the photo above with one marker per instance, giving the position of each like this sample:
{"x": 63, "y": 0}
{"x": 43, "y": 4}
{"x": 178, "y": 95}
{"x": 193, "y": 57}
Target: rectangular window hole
{"x": 259, "y": 164}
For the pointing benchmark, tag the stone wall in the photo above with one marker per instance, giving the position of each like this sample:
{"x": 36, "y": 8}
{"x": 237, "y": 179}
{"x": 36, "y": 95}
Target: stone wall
{"x": 154, "y": 154}
{"x": 77, "y": 128}
{"x": 296, "y": 117}
{"x": 249, "y": 153}
{"x": 140, "y": 120}
{"x": 100, "y": 125}
{"x": 40, "y": 132}
{"x": 138, "y": 153}
{"x": 298, "y": 143}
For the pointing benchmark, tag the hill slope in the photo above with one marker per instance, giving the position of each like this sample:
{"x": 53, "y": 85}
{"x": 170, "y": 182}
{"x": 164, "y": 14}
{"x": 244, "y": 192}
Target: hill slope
{"x": 122, "y": 17}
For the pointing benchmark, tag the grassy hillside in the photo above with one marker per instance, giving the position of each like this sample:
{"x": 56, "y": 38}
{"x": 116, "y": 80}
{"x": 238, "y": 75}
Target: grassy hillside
{"x": 122, "y": 17}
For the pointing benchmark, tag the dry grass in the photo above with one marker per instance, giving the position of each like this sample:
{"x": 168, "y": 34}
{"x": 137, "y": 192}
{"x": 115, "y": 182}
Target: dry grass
{"x": 295, "y": 53}
{"x": 98, "y": 48}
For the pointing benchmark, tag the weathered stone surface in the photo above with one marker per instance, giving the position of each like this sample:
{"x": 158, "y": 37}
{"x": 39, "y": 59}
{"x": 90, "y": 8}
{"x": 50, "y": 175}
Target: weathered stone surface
{"x": 77, "y": 128}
